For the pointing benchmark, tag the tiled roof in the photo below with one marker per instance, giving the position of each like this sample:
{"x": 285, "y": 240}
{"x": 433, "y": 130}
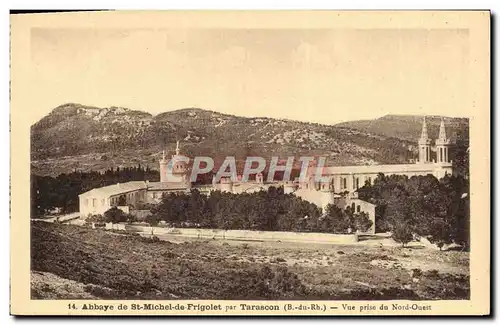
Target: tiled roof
{"x": 158, "y": 186}
{"x": 116, "y": 189}
{"x": 374, "y": 169}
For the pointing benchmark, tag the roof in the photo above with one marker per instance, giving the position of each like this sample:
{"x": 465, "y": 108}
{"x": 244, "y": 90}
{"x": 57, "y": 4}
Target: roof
{"x": 375, "y": 169}
{"x": 166, "y": 186}
{"x": 116, "y": 189}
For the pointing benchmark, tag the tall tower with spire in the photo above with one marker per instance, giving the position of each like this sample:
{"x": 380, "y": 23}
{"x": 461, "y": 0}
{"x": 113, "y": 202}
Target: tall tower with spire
{"x": 177, "y": 149}
{"x": 442, "y": 145}
{"x": 163, "y": 168}
{"x": 424, "y": 145}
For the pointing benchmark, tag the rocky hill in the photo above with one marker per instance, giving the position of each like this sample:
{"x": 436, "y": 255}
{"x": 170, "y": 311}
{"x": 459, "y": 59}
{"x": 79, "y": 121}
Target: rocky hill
{"x": 409, "y": 127}
{"x": 78, "y": 137}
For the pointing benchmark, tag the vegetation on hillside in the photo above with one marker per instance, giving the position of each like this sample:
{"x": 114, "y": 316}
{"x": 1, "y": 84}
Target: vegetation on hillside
{"x": 74, "y": 130}
{"x": 409, "y": 127}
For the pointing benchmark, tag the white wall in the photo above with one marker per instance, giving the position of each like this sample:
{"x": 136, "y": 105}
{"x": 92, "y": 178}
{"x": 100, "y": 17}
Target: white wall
{"x": 249, "y": 234}
{"x": 93, "y": 205}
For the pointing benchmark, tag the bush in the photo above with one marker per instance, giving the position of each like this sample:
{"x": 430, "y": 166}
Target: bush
{"x": 115, "y": 215}
{"x": 432, "y": 274}
{"x": 362, "y": 222}
{"x": 401, "y": 233}
{"x": 415, "y": 273}
{"x": 95, "y": 219}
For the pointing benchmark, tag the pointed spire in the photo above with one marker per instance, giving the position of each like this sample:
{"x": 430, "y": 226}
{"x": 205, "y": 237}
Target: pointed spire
{"x": 442, "y": 130}
{"x": 177, "y": 150}
{"x": 424, "y": 135}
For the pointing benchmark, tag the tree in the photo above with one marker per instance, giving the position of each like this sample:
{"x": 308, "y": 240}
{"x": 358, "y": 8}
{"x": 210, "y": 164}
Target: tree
{"x": 95, "y": 218}
{"x": 115, "y": 215}
{"x": 131, "y": 218}
{"x": 441, "y": 232}
{"x": 362, "y": 222}
{"x": 461, "y": 223}
{"x": 401, "y": 232}
{"x": 195, "y": 206}
{"x": 336, "y": 221}
{"x": 152, "y": 220}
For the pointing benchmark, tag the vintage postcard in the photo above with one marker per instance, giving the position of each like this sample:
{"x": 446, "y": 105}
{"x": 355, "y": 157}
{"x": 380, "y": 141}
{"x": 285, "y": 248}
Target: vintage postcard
{"x": 250, "y": 163}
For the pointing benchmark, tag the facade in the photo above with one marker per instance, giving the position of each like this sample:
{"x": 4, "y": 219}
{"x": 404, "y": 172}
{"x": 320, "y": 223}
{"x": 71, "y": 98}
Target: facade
{"x": 338, "y": 184}
{"x": 350, "y": 178}
{"x": 100, "y": 200}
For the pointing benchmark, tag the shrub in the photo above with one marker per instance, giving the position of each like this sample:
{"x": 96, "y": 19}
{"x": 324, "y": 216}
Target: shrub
{"x": 95, "y": 218}
{"x": 415, "y": 273}
{"x": 401, "y": 233}
{"x": 432, "y": 274}
{"x": 115, "y": 215}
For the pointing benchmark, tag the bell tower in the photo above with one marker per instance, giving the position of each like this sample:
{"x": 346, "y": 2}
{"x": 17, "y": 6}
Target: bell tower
{"x": 442, "y": 145}
{"x": 424, "y": 146}
{"x": 163, "y": 168}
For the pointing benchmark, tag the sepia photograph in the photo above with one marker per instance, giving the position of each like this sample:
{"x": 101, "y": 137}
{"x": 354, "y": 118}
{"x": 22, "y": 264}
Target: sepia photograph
{"x": 219, "y": 164}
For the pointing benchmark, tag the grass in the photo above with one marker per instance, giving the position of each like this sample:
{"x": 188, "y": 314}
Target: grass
{"x": 117, "y": 266}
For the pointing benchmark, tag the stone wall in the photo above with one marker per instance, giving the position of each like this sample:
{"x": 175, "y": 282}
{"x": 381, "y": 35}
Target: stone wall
{"x": 219, "y": 234}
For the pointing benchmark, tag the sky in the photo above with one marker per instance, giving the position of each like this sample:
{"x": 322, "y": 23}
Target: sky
{"x": 315, "y": 75}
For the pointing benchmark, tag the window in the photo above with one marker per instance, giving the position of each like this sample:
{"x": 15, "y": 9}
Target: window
{"x": 344, "y": 182}
{"x": 353, "y": 207}
{"x": 357, "y": 182}
{"x": 93, "y": 202}
{"x": 358, "y": 209}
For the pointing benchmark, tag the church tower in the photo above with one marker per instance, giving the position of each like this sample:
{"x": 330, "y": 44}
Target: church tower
{"x": 424, "y": 146}
{"x": 175, "y": 170}
{"x": 163, "y": 168}
{"x": 442, "y": 145}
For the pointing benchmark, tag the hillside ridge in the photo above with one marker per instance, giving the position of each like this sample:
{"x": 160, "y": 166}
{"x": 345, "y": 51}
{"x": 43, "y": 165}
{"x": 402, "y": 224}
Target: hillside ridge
{"x": 83, "y": 137}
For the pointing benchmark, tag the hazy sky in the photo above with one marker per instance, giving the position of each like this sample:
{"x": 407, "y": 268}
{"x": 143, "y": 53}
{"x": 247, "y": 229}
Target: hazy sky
{"x": 321, "y": 75}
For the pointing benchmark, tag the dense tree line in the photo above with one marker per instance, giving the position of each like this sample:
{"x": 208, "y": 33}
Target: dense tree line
{"x": 422, "y": 206}
{"x": 270, "y": 210}
{"x": 61, "y": 192}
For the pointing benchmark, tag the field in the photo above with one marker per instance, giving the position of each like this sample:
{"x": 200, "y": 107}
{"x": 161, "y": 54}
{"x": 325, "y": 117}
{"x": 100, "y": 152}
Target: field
{"x": 72, "y": 262}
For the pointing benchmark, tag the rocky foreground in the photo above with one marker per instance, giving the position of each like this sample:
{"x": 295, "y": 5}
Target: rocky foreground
{"x": 71, "y": 262}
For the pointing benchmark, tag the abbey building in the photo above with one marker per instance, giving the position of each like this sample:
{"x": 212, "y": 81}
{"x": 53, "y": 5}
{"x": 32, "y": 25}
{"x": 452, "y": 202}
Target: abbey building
{"x": 338, "y": 184}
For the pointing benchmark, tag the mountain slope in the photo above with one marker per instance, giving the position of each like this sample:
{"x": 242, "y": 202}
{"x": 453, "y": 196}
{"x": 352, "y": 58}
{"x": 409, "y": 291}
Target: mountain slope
{"x": 75, "y": 136}
{"x": 409, "y": 127}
